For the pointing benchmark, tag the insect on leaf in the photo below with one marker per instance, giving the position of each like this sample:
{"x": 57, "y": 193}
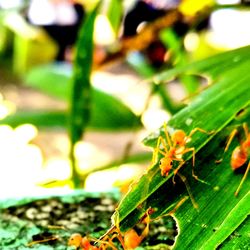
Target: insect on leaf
{"x": 215, "y": 109}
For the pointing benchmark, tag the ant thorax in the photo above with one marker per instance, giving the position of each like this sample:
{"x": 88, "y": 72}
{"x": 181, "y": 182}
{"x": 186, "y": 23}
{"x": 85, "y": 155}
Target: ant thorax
{"x": 179, "y": 151}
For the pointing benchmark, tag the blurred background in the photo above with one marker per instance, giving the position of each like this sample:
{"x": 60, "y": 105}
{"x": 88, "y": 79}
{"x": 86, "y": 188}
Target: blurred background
{"x": 133, "y": 41}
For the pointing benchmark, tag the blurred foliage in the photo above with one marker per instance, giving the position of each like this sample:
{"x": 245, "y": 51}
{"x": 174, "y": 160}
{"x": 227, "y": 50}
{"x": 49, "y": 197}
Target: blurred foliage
{"x": 81, "y": 89}
{"x": 107, "y": 112}
{"x": 114, "y": 14}
{"x": 207, "y": 213}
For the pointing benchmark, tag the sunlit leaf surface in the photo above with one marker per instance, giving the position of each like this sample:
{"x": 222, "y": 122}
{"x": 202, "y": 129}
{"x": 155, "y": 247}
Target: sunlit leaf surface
{"x": 219, "y": 213}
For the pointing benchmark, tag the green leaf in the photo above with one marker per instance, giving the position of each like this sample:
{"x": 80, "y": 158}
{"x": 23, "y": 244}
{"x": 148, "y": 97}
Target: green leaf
{"x": 107, "y": 112}
{"x": 104, "y": 117}
{"x": 239, "y": 239}
{"x": 227, "y": 99}
{"x": 231, "y": 222}
{"x": 40, "y": 119}
{"x": 114, "y": 14}
{"x": 51, "y": 79}
{"x": 212, "y": 67}
{"x": 81, "y": 90}
{"x": 220, "y": 212}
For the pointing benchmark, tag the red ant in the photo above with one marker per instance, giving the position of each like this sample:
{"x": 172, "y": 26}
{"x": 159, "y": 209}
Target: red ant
{"x": 240, "y": 154}
{"x": 130, "y": 240}
{"x": 175, "y": 149}
{"x": 77, "y": 240}
{"x": 84, "y": 243}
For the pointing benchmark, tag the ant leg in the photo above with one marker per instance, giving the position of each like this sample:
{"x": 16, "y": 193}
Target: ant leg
{"x": 193, "y": 164}
{"x": 145, "y": 232}
{"x": 147, "y": 222}
{"x": 116, "y": 234}
{"x": 163, "y": 143}
{"x": 230, "y": 138}
{"x": 107, "y": 242}
{"x": 184, "y": 179}
{"x": 200, "y": 130}
{"x": 193, "y": 157}
{"x": 229, "y": 141}
{"x": 172, "y": 212}
{"x": 193, "y": 131}
{"x": 110, "y": 242}
{"x": 52, "y": 238}
{"x": 178, "y": 168}
{"x": 167, "y": 135}
{"x": 193, "y": 161}
{"x": 157, "y": 150}
{"x": 242, "y": 180}
{"x": 245, "y": 127}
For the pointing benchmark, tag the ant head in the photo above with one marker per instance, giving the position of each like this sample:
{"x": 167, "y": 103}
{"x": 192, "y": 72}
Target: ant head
{"x": 166, "y": 162}
{"x": 150, "y": 211}
{"x": 178, "y": 137}
{"x": 165, "y": 165}
{"x": 75, "y": 240}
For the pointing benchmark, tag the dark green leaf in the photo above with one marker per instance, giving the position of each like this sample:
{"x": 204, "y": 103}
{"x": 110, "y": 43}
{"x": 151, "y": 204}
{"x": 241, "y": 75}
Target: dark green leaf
{"x": 212, "y": 110}
{"x": 80, "y": 105}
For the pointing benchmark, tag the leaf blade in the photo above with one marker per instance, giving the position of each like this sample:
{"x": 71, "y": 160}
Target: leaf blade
{"x": 209, "y": 111}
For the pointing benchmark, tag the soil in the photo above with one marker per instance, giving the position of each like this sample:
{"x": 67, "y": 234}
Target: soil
{"x": 53, "y": 220}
